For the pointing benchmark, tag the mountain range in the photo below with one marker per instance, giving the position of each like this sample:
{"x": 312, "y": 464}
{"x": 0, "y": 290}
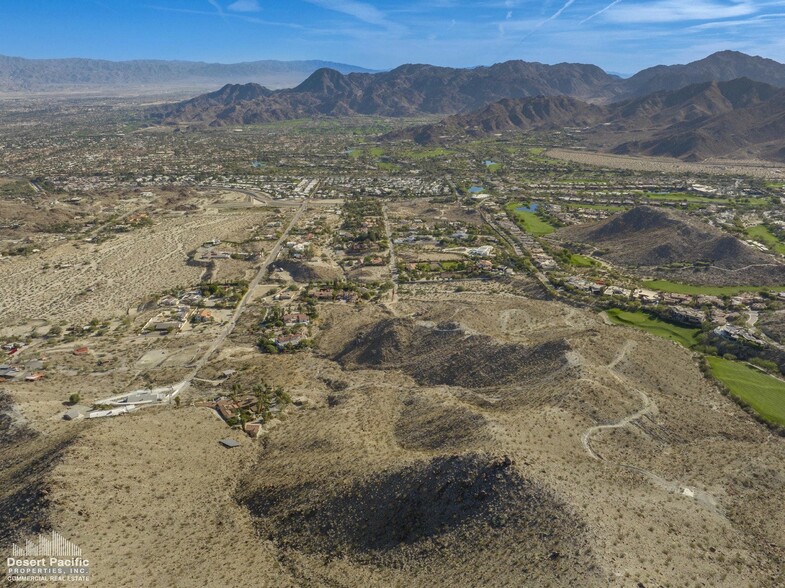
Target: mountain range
{"x": 726, "y": 105}
{"x": 405, "y": 91}
{"x": 425, "y": 89}
{"x": 738, "y": 118}
{"x": 18, "y": 74}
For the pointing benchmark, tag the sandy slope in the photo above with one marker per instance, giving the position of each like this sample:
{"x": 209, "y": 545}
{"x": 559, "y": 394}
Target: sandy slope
{"x": 156, "y": 501}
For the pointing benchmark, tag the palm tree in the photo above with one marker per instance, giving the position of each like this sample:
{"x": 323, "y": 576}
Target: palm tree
{"x": 262, "y": 394}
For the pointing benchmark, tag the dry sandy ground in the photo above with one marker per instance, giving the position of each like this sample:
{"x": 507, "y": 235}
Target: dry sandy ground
{"x": 150, "y": 498}
{"x": 155, "y": 501}
{"x": 427, "y": 212}
{"x": 157, "y": 254}
{"x": 758, "y": 169}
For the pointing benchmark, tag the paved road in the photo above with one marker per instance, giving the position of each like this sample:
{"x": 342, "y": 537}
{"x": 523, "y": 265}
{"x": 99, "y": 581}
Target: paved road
{"x": 752, "y": 320}
{"x": 229, "y": 327}
{"x": 518, "y": 248}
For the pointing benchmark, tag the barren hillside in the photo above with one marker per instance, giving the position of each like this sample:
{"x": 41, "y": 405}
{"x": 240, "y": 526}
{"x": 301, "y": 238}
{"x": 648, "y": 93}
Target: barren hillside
{"x": 573, "y": 458}
{"x": 648, "y": 239}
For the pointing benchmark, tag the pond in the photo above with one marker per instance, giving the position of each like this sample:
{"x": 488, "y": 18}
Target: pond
{"x": 530, "y": 208}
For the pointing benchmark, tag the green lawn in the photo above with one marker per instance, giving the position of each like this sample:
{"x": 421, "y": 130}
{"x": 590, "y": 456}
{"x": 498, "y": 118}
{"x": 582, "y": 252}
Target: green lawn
{"x": 655, "y": 326}
{"x": 678, "y": 288}
{"x": 680, "y": 197}
{"x": 529, "y": 221}
{"x": 425, "y": 153}
{"x": 756, "y": 201}
{"x": 582, "y": 261}
{"x": 370, "y": 151}
{"x": 693, "y": 199}
{"x": 762, "y": 392}
{"x": 763, "y": 235}
{"x": 451, "y": 266}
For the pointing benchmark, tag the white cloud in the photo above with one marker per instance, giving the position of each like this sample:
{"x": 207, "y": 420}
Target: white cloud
{"x": 601, "y": 11}
{"x": 359, "y": 10}
{"x": 245, "y": 6}
{"x": 663, "y": 11}
{"x": 555, "y": 15}
{"x": 559, "y": 12}
{"x": 763, "y": 20}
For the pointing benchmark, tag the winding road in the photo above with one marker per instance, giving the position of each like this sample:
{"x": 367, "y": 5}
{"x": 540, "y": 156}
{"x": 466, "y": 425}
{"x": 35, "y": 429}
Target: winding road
{"x": 648, "y": 408}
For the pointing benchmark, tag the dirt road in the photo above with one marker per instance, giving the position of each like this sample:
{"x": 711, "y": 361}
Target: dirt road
{"x": 393, "y": 261}
{"x": 232, "y": 323}
{"x": 648, "y": 408}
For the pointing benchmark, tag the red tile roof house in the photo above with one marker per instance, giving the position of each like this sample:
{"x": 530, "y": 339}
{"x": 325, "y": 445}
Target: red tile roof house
{"x": 204, "y": 316}
{"x": 299, "y": 318}
{"x": 225, "y": 408}
{"x": 484, "y": 264}
{"x": 253, "y": 429}
{"x": 81, "y": 351}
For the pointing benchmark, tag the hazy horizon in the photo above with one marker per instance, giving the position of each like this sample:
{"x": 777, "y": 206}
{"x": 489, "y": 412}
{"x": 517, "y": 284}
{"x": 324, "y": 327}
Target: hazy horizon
{"x": 617, "y": 35}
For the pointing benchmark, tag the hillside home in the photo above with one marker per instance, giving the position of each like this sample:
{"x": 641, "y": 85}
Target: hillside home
{"x": 284, "y": 341}
{"x": 291, "y": 320}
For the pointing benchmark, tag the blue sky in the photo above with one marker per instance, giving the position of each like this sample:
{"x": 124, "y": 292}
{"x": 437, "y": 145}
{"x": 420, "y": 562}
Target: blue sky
{"x": 619, "y": 35}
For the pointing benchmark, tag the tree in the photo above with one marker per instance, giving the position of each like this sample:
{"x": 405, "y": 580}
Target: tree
{"x": 74, "y": 398}
{"x": 281, "y": 396}
{"x": 262, "y": 397}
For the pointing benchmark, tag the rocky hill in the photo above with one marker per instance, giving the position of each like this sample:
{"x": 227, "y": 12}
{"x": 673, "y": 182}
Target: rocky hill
{"x": 430, "y": 510}
{"x": 538, "y": 113}
{"x": 446, "y": 354}
{"x": 669, "y": 244}
{"x": 722, "y": 66}
{"x": 738, "y": 118}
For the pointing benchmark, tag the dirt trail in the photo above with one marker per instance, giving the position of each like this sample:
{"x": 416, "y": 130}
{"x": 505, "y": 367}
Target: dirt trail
{"x": 648, "y": 408}
{"x": 391, "y": 252}
{"x": 628, "y": 346}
